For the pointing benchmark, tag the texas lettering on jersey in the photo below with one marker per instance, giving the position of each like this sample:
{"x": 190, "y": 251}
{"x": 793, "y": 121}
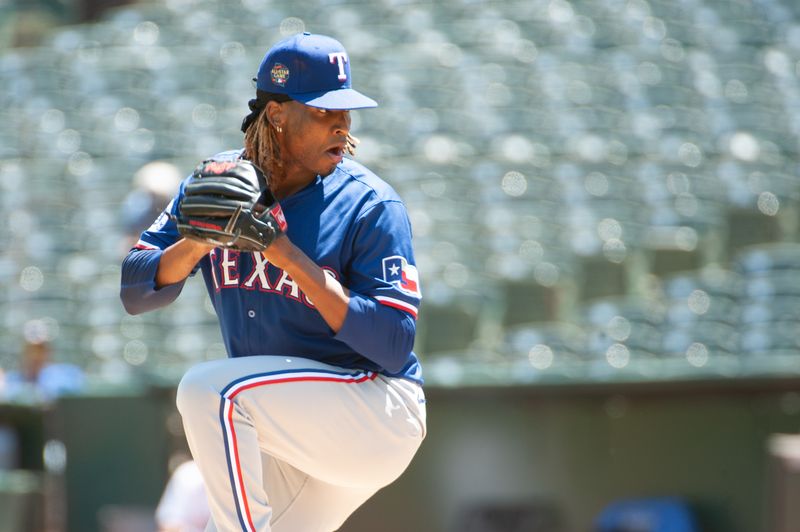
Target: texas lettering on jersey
{"x": 360, "y": 232}
{"x": 264, "y": 277}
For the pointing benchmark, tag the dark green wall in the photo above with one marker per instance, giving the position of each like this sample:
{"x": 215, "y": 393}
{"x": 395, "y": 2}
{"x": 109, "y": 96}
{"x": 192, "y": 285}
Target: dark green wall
{"x": 581, "y": 447}
{"x": 116, "y": 454}
{"x": 575, "y": 448}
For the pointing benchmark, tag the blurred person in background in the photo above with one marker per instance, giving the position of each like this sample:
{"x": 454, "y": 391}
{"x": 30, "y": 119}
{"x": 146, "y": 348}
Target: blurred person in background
{"x": 183, "y": 506}
{"x": 38, "y": 378}
{"x": 154, "y": 185}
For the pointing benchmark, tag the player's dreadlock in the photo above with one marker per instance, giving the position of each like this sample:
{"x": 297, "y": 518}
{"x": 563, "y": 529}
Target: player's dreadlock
{"x": 350, "y": 146}
{"x": 261, "y": 144}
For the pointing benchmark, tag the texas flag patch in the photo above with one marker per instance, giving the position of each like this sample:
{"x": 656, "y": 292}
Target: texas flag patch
{"x": 401, "y": 274}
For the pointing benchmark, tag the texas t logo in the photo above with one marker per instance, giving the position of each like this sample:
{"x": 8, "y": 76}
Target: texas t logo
{"x": 340, "y": 58}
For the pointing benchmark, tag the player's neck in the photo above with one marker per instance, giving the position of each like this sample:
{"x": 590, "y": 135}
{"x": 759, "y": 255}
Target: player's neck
{"x": 290, "y": 182}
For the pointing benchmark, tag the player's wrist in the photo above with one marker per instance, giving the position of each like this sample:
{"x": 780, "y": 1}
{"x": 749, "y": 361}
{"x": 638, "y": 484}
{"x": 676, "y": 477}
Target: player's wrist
{"x": 196, "y": 248}
{"x": 282, "y": 253}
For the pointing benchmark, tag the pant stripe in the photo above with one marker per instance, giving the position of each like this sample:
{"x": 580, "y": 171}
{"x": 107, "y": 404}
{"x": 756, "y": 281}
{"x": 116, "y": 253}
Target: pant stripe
{"x": 243, "y": 507}
{"x": 229, "y": 432}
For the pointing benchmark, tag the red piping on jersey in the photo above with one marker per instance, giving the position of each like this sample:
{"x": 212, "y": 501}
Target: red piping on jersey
{"x": 399, "y": 305}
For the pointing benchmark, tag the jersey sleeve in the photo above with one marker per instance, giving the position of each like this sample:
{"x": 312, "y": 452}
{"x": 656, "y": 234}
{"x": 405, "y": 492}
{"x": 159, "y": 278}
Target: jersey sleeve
{"x": 382, "y": 265}
{"x": 138, "y": 290}
{"x": 384, "y": 288}
{"x": 163, "y": 232}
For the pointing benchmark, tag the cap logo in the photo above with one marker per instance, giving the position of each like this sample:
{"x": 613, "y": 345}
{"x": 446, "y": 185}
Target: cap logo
{"x": 279, "y": 75}
{"x": 340, "y": 58}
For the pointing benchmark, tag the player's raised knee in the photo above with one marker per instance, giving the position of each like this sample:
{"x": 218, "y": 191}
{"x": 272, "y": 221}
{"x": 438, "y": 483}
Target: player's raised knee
{"x": 196, "y": 390}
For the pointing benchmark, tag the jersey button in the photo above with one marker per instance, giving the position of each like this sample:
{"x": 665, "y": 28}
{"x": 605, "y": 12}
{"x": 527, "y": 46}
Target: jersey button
{"x": 251, "y": 313}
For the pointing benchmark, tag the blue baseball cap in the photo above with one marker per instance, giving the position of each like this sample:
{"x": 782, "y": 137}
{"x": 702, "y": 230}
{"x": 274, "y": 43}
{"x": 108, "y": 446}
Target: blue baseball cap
{"x": 311, "y": 69}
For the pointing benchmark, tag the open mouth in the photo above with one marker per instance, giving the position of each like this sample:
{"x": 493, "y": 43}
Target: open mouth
{"x": 337, "y": 152}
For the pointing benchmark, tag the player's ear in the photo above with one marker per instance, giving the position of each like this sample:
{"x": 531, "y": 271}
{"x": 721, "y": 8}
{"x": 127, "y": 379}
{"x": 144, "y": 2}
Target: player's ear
{"x": 276, "y": 114}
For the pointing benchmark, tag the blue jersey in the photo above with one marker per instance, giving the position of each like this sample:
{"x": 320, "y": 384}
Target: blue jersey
{"x": 350, "y": 223}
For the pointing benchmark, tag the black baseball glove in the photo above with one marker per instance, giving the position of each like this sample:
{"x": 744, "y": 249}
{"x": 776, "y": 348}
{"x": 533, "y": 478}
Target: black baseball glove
{"x": 228, "y": 204}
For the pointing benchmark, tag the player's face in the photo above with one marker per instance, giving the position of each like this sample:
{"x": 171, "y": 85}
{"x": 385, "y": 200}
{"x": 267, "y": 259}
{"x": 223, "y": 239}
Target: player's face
{"x": 314, "y": 139}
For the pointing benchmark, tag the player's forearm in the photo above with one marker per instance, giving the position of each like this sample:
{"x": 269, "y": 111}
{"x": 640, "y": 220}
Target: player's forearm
{"x": 380, "y": 333}
{"x": 178, "y": 261}
{"x": 330, "y": 298}
{"x": 383, "y": 334}
{"x": 137, "y": 289}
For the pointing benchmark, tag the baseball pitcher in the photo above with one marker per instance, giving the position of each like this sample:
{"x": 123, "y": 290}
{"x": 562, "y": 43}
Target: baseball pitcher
{"x": 307, "y": 258}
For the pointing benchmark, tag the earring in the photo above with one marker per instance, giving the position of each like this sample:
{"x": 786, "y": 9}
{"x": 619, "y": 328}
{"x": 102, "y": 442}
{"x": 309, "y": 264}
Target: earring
{"x": 279, "y": 129}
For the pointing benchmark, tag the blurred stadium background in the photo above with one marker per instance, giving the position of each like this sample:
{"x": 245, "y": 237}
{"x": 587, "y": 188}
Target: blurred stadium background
{"x": 604, "y": 195}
